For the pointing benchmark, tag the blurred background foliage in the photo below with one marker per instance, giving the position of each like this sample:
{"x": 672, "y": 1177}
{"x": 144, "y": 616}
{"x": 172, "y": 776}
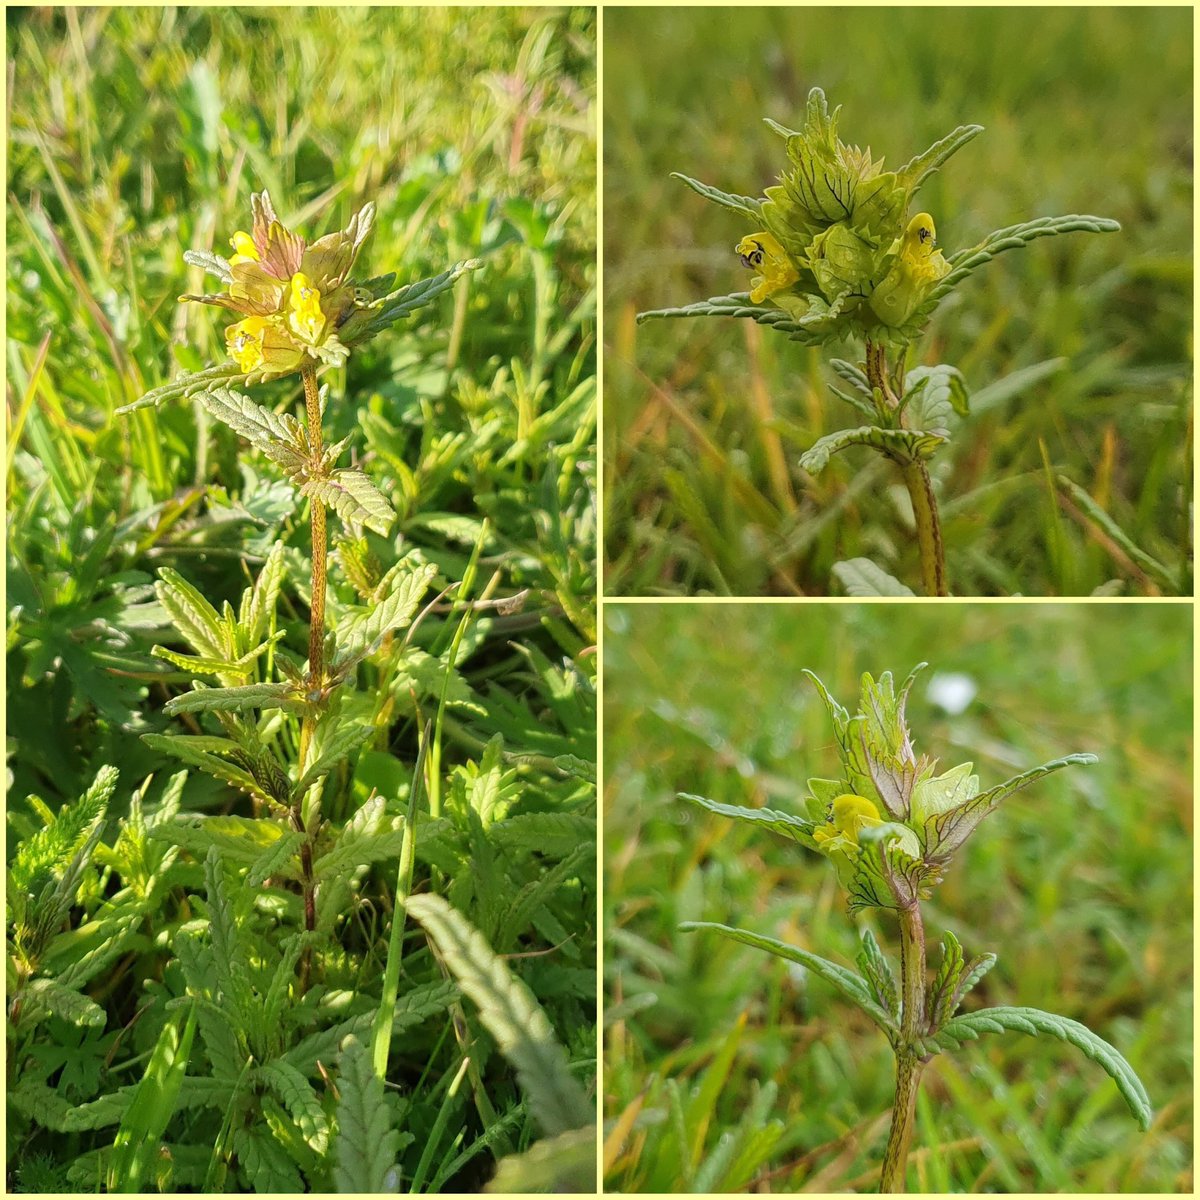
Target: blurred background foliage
{"x": 1085, "y": 110}
{"x": 1081, "y": 884}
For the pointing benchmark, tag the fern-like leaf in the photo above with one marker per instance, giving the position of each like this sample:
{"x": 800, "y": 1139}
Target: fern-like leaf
{"x": 365, "y": 1145}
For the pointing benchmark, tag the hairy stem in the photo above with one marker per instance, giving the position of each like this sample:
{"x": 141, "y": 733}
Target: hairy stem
{"x": 909, "y": 1064}
{"x": 889, "y": 389}
{"x": 316, "y": 626}
{"x": 929, "y": 527}
{"x": 316, "y": 651}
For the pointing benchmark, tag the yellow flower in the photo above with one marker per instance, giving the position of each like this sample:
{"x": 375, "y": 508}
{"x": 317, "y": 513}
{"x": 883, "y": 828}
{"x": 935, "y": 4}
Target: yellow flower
{"x": 305, "y": 315}
{"x": 244, "y": 247}
{"x": 245, "y": 342}
{"x": 762, "y": 251}
{"x": 850, "y": 815}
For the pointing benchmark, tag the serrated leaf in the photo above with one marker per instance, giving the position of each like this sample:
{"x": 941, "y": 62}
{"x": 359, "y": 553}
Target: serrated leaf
{"x": 275, "y": 860}
{"x": 233, "y": 699}
{"x": 43, "y": 998}
{"x": 554, "y": 834}
{"x": 934, "y": 395}
{"x": 301, "y": 1101}
{"x": 198, "y": 752}
{"x": 1034, "y": 1022}
{"x": 200, "y": 665}
{"x": 417, "y": 1005}
{"x": 265, "y": 1163}
{"x": 405, "y": 301}
{"x": 354, "y": 498}
{"x": 365, "y": 1145}
{"x": 1014, "y": 237}
{"x": 846, "y": 981}
{"x": 945, "y": 832}
{"x": 363, "y": 629}
{"x": 797, "y": 828}
{"x": 877, "y": 972}
{"x": 921, "y": 166}
{"x": 230, "y": 963}
{"x": 511, "y": 1014}
{"x": 861, "y": 577}
{"x": 239, "y": 839}
{"x": 258, "y": 602}
{"x": 191, "y": 614}
{"x": 974, "y": 971}
{"x": 331, "y": 749}
{"x": 808, "y": 330}
{"x": 746, "y": 205}
{"x": 258, "y": 425}
{"x": 188, "y": 384}
{"x": 901, "y": 445}
{"x": 949, "y": 972}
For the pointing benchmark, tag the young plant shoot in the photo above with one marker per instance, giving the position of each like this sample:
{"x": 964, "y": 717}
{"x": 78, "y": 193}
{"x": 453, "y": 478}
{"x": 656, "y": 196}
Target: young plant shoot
{"x": 891, "y": 826}
{"x": 834, "y": 254}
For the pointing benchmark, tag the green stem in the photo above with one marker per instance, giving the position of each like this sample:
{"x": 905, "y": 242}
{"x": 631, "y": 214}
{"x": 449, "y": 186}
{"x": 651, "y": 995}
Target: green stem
{"x": 909, "y": 1064}
{"x": 929, "y": 527}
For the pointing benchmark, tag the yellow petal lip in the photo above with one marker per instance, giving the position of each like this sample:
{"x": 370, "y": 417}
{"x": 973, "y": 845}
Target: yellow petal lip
{"x": 244, "y": 248}
{"x": 305, "y": 315}
{"x": 763, "y": 252}
{"x": 245, "y": 342}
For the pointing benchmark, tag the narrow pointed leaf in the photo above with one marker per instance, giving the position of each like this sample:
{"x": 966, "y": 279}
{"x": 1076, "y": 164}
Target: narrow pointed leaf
{"x": 877, "y": 971}
{"x": 846, "y": 981}
{"x": 945, "y": 832}
{"x": 1035, "y": 1022}
{"x": 746, "y": 205}
{"x": 918, "y": 169}
{"x": 190, "y": 613}
{"x": 363, "y": 630}
{"x": 233, "y": 699}
{"x": 796, "y": 828}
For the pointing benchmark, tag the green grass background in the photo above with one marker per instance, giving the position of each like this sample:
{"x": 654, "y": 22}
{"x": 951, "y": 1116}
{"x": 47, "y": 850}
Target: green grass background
{"x": 137, "y": 133}
{"x": 1082, "y": 885}
{"x": 1085, "y": 110}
